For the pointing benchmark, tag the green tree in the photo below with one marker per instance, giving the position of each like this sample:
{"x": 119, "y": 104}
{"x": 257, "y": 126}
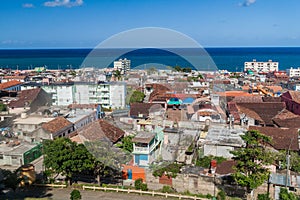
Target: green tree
{"x": 294, "y": 160}
{"x": 251, "y": 159}
{"x": 108, "y": 158}
{"x": 3, "y": 107}
{"x": 75, "y": 195}
{"x": 65, "y": 157}
{"x": 221, "y": 195}
{"x": 137, "y": 97}
{"x": 206, "y": 160}
{"x": 126, "y": 144}
{"x": 284, "y": 194}
{"x": 139, "y": 185}
{"x": 170, "y": 170}
{"x": 263, "y": 197}
{"x": 177, "y": 68}
{"x": 10, "y": 179}
{"x": 117, "y": 74}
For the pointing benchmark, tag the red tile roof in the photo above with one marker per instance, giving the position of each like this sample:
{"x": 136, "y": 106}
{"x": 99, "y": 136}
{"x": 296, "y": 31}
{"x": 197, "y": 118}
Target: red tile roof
{"x": 295, "y": 95}
{"x": 101, "y": 129}
{"x": 287, "y": 119}
{"x": 9, "y": 84}
{"x": 56, "y": 125}
{"x": 263, "y": 112}
{"x": 14, "y": 77}
{"x": 226, "y": 167}
{"x": 235, "y": 93}
{"x": 247, "y": 99}
{"x": 282, "y": 139}
{"x": 25, "y": 98}
{"x": 137, "y": 109}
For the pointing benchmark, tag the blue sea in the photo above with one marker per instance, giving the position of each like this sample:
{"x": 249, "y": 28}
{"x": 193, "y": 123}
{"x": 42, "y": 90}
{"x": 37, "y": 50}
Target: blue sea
{"x": 231, "y": 59}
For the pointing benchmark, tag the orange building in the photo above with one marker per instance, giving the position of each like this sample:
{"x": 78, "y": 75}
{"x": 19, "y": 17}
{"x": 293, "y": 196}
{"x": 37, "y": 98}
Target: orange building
{"x": 133, "y": 172}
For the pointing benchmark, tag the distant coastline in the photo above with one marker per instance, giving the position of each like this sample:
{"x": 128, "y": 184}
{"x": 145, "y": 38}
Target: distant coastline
{"x": 229, "y": 58}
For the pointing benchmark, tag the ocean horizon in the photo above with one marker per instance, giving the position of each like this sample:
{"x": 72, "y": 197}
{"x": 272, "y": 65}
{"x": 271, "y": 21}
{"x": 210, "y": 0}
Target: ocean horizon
{"x": 225, "y": 58}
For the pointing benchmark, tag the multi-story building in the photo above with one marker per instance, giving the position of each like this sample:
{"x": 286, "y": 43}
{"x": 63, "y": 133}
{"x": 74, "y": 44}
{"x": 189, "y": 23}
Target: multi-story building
{"x": 111, "y": 94}
{"x": 147, "y": 147}
{"x": 293, "y": 72}
{"x": 123, "y": 65}
{"x": 256, "y": 66}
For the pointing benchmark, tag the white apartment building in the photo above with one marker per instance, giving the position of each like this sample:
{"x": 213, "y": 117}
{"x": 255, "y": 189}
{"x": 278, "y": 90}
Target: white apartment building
{"x": 293, "y": 72}
{"x": 256, "y": 66}
{"x": 110, "y": 94}
{"x": 123, "y": 65}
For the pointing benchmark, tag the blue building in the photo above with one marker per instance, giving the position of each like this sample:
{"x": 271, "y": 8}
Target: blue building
{"x": 147, "y": 147}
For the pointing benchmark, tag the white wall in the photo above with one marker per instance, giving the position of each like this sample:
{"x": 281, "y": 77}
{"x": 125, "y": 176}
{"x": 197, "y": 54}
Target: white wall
{"x": 117, "y": 95}
{"x": 64, "y": 95}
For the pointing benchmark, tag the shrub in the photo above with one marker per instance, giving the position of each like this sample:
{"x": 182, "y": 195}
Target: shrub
{"x": 263, "y": 197}
{"x": 139, "y": 185}
{"x": 284, "y": 194}
{"x": 221, "y": 195}
{"x": 167, "y": 189}
{"x": 75, "y": 195}
{"x": 171, "y": 170}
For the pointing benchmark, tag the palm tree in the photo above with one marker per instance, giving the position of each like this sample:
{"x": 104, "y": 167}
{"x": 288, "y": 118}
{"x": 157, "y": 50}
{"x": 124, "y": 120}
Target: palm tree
{"x": 117, "y": 74}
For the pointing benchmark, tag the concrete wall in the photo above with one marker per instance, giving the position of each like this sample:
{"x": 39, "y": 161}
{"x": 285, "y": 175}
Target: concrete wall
{"x": 217, "y": 150}
{"x": 184, "y": 182}
{"x": 12, "y": 160}
{"x": 117, "y": 95}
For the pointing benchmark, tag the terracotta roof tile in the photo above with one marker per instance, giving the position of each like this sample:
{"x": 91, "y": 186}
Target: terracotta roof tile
{"x": 295, "y": 95}
{"x": 143, "y": 109}
{"x": 235, "y": 93}
{"x": 101, "y": 129}
{"x": 226, "y": 167}
{"x": 282, "y": 139}
{"x": 247, "y": 99}
{"x": 263, "y": 112}
{"x": 9, "y": 84}
{"x": 25, "y": 98}
{"x": 287, "y": 119}
{"x": 56, "y": 125}
{"x": 14, "y": 77}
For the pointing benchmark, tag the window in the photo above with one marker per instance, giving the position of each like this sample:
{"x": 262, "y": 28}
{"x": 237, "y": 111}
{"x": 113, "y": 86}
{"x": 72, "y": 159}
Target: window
{"x": 1, "y": 156}
{"x": 14, "y": 157}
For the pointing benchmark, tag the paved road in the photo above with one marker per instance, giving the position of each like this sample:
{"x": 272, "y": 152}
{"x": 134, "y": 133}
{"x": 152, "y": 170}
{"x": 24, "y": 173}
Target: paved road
{"x": 63, "y": 194}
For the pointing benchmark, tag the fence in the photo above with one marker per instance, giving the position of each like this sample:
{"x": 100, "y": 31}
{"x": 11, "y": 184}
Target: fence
{"x": 153, "y": 193}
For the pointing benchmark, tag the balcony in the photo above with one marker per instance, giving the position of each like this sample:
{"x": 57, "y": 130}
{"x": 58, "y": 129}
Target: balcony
{"x": 104, "y": 89}
{"x": 143, "y": 150}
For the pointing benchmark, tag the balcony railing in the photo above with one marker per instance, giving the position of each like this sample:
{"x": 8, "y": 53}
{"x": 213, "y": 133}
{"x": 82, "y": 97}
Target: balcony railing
{"x": 141, "y": 149}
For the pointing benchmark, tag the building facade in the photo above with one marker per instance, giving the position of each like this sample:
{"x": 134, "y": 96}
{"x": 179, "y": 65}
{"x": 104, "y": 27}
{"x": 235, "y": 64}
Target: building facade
{"x": 256, "y": 66}
{"x": 123, "y": 65}
{"x": 293, "y": 72}
{"x": 109, "y": 95}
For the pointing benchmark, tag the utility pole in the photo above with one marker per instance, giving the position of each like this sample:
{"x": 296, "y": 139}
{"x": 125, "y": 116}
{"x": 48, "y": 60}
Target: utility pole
{"x": 287, "y": 182}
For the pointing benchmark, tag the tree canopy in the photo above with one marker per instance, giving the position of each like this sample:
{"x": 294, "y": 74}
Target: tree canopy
{"x": 137, "y": 97}
{"x": 250, "y": 170}
{"x": 62, "y": 156}
{"x": 126, "y": 144}
{"x": 294, "y": 160}
{"x": 10, "y": 179}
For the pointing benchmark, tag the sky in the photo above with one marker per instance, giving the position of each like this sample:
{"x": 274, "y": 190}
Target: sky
{"x": 86, "y": 23}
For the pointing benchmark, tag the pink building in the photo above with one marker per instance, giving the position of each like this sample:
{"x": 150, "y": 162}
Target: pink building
{"x": 292, "y": 101}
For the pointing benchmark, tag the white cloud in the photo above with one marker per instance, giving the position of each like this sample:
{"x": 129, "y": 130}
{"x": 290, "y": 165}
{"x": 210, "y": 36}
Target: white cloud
{"x": 63, "y": 3}
{"x": 28, "y": 5}
{"x": 247, "y": 3}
